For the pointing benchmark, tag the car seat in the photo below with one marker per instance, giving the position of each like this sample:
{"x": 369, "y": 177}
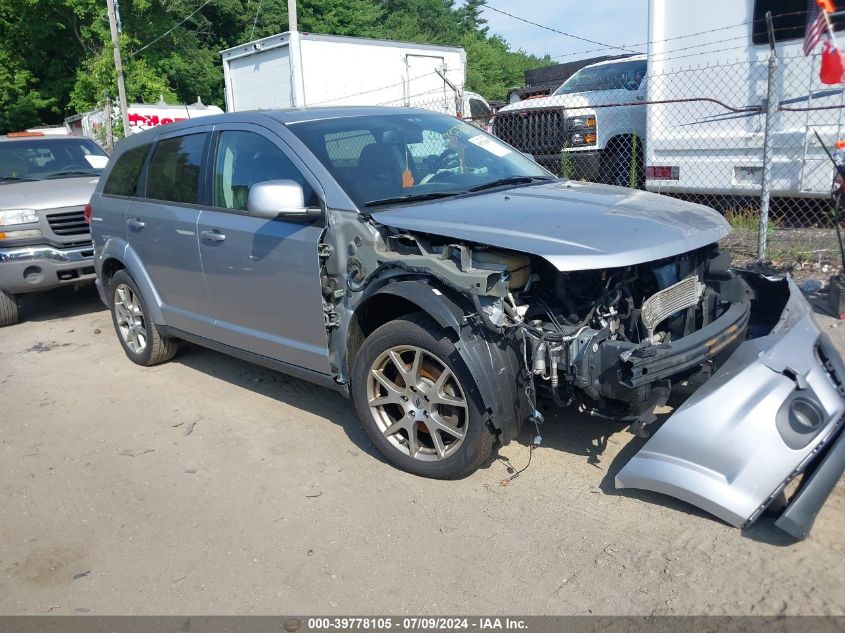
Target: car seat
{"x": 379, "y": 172}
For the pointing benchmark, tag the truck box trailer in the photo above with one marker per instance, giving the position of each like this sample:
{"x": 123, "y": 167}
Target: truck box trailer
{"x": 707, "y": 91}
{"x": 295, "y": 69}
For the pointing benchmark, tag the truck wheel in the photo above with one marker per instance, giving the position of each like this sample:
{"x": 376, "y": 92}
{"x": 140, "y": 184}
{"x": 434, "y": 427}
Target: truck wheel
{"x": 8, "y": 309}
{"x": 616, "y": 163}
{"x": 137, "y": 333}
{"x": 417, "y": 400}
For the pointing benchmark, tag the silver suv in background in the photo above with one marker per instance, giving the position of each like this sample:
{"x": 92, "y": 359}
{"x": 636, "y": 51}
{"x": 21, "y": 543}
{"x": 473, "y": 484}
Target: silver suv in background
{"x": 446, "y": 282}
{"x": 45, "y": 242}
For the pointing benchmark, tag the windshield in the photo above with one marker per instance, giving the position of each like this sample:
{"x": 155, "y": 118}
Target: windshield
{"x": 40, "y": 158}
{"x": 412, "y": 156}
{"x": 616, "y": 76}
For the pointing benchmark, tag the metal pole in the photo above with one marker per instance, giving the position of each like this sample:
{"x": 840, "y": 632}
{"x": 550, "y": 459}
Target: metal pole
{"x": 292, "y": 25}
{"x": 768, "y": 141}
{"x": 297, "y": 84}
{"x": 109, "y": 135}
{"x": 458, "y": 92}
{"x": 118, "y": 66}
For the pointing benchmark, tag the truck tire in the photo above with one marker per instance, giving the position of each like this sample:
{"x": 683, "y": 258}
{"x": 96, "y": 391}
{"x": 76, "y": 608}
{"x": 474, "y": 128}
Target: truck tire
{"x": 138, "y": 335}
{"x": 417, "y": 401}
{"x": 616, "y": 163}
{"x": 8, "y": 309}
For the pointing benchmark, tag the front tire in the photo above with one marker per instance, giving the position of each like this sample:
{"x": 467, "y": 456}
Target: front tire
{"x": 417, "y": 401}
{"x": 8, "y": 309}
{"x": 616, "y": 163}
{"x": 138, "y": 335}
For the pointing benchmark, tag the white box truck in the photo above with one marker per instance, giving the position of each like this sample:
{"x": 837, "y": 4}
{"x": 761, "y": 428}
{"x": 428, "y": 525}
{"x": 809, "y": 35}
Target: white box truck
{"x": 708, "y": 69}
{"x": 296, "y": 69}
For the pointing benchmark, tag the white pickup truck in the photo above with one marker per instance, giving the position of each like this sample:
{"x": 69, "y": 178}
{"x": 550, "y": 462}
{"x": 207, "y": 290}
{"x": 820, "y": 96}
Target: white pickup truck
{"x": 591, "y": 128}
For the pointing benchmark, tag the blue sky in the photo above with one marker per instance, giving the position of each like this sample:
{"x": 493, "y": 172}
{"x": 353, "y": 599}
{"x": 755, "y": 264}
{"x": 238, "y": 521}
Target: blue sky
{"x": 611, "y": 21}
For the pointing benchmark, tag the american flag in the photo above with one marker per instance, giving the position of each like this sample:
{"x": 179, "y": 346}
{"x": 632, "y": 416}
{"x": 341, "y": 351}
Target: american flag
{"x": 816, "y": 27}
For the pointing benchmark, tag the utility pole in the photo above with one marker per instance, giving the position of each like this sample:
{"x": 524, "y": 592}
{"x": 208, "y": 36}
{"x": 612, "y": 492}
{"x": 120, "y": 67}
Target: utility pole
{"x": 118, "y": 65}
{"x": 109, "y": 135}
{"x": 292, "y": 25}
{"x": 296, "y": 81}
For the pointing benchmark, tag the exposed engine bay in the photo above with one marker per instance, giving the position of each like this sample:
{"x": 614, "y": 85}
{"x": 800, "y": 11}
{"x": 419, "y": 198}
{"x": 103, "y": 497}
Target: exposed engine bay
{"x": 611, "y": 342}
{"x": 764, "y": 390}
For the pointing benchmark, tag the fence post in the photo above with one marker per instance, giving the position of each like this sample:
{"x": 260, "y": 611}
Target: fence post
{"x": 109, "y": 135}
{"x": 771, "y": 110}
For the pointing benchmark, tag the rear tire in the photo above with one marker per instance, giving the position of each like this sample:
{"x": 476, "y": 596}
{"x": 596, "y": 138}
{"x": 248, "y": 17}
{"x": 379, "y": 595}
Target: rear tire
{"x": 8, "y": 309}
{"x": 616, "y": 163}
{"x": 422, "y": 411}
{"x": 138, "y": 335}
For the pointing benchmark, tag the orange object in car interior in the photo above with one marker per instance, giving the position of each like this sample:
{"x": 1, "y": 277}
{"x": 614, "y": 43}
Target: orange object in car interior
{"x": 23, "y": 134}
{"x": 407, "y": 179}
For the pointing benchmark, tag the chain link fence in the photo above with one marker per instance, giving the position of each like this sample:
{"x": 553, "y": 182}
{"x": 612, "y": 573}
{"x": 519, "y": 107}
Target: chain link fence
{"x": 738, "y": 136}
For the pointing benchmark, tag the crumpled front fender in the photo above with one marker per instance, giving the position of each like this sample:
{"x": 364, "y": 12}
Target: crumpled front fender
{"x": 768, "y": 412}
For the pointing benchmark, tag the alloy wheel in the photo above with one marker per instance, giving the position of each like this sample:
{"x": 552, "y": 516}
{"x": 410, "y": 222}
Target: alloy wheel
{"x": 417, "y": 403}
{"x": 130, "y": 319}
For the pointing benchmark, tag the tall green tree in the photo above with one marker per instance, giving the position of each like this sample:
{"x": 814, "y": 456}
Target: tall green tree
{"x": 56, "y": 57}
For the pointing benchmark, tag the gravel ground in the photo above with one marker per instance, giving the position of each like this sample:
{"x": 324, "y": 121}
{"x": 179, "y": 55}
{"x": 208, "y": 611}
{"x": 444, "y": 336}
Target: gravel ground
{"x": 804, "y": 253}
{"x": 211, "y": 486}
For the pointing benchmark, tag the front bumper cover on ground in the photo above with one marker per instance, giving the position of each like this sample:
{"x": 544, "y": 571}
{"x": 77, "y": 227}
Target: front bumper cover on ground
{"x": 772, "y": 412}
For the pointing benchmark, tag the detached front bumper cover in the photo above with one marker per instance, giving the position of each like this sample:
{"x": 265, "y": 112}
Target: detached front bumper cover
{"x": 773, "y": 411}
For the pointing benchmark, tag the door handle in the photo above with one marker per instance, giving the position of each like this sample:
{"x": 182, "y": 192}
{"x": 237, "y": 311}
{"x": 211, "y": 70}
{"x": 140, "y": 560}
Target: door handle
{"x": 134, "y": 223}
{"x": 213, "y": 236}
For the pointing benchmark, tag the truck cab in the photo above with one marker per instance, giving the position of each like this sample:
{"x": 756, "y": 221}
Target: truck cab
{"x": 476, "y": 110}
{"x": 574, "y": 132}
{"x": 45, "y": 241}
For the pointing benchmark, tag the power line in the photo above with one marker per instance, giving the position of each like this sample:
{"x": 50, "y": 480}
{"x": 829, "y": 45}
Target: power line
{"x": 170, "y": 30}
{"x": 255, "y": 21}
{"x": 433, "y": 91}
{"x": 607, "y": 47}
{"x": 553, "y": 30}
{"x": 671, "y": 54}
{"x": 668, "y": 39}
{"x": 356, "y": 94}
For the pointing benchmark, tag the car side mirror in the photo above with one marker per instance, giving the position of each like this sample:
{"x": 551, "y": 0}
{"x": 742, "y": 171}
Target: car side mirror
{"x": 272, "y": 198}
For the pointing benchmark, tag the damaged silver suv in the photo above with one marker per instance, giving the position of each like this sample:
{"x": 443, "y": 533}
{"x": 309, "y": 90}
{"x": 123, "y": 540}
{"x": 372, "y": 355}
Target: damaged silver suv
{"x": 446, "y": 282}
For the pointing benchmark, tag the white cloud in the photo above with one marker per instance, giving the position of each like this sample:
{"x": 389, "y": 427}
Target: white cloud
{"x": 614, "y": 22}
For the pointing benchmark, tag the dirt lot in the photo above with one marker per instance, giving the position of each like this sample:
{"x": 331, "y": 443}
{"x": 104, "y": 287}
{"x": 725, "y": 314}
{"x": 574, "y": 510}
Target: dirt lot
{"x": 208, "y": 485}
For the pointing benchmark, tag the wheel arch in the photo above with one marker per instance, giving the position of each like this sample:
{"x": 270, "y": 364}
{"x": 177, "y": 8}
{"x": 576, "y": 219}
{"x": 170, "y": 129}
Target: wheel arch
{"x": 108, "y": 268}
{"x": 397, "y": 299}
{"x": 623, "y": 139}
{"x": 494, "y": 364}
{"x": 116, "y": 257}
{"x": 622, "y": 143}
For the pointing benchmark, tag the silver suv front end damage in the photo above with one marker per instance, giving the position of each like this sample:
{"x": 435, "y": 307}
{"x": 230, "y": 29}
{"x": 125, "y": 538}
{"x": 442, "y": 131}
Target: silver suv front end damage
{"x": 768, "y": 389}
{"x": 771, "y": 413}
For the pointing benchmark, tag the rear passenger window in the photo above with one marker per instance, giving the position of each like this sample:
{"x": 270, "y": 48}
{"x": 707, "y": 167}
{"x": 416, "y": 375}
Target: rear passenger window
{"x": 174, "y": 173}
{"x": 123, "y": 179}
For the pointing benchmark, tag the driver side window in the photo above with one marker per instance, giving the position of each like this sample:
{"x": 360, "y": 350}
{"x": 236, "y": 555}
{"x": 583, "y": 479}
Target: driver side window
{"x": 244, "y": 159}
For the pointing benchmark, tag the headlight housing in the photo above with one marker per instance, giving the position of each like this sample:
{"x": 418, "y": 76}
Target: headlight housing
{"x": 11, "y": 217}
{"x": 581, "y": 130}
{"x": 583, "y": 122}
